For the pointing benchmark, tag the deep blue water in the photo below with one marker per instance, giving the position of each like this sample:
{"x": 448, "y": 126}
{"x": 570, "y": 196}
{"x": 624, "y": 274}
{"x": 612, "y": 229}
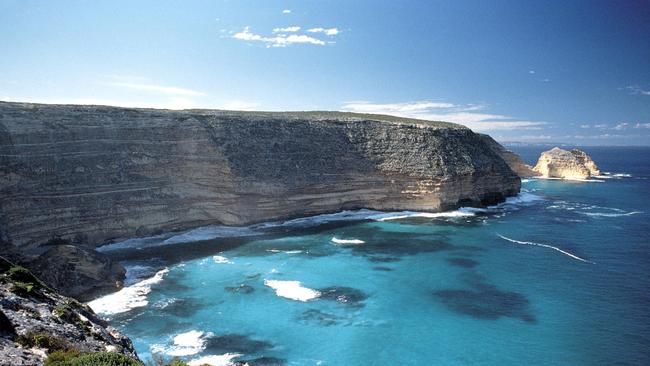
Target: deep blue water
{"x": 424, "y": 290}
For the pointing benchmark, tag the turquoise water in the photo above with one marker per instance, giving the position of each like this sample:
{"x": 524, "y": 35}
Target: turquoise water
{"x": 421, "y": 290}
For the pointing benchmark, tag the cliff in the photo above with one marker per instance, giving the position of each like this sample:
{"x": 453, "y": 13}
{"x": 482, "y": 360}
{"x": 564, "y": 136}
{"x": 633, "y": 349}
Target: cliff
{"x": 36, "y": 323}
{"x": 513, "y": 160}
{"x": 559, "y": 163}
{"x": 91, "y": 174}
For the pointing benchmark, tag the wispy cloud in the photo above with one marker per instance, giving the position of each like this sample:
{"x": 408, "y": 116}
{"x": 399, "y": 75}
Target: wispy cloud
{"x": 642, "y": 125}
{"x": 286, "y": 11}
{"x": 278, "y": 40}
{"x": 635, "y": 89}
{"x": 170, "y": 103}
{"x": 161, "y": 89}
{"x": 287, "y": 29}
{"x": 326, "y": 31}
{"x": 468, "y": 115}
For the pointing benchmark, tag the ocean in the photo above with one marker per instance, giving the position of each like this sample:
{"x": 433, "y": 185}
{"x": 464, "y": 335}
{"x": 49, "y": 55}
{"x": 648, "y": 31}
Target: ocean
{"x": 559, "y": 275}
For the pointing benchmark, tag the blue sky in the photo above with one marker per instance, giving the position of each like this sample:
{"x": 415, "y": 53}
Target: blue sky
{"x": 538, "y": 71}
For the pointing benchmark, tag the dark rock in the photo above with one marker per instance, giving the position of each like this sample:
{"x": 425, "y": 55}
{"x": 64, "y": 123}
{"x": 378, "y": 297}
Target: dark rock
{"x": 320, "y": 317}
{"x": 44, "y": 321}
{"x": 236, "y": 343}
{"x": 462, "y": 262}
{"x": 486, "y": 301}
{"x": 78, "y": 272}
{"x": 344, "y": 295}
{"x": 262, "y": 361}
{"x": 241, "y": 289}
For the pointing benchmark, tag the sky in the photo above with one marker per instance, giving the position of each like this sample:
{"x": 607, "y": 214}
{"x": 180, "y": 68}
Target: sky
{"x": 569, "y": 71}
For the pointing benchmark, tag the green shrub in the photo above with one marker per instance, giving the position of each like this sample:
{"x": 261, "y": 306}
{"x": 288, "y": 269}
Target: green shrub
{"x": 90, "y": 359}
{"x": 42, "y": 340}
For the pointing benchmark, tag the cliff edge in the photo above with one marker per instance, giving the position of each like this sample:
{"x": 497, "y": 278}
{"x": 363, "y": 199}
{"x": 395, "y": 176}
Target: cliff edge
{"x": 91, "y": 174}
{"x": 36, "y": 323}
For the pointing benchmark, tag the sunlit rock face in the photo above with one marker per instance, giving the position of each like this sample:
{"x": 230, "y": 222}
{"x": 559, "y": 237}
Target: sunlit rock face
{"x": 559, "y": 163}
{"x": 91, "y": 174}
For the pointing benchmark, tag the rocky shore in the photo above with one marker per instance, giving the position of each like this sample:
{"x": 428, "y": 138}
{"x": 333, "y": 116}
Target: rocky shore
{"x": 37, "y": 323}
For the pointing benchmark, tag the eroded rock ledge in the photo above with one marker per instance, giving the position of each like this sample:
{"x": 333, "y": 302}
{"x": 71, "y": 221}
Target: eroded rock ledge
{"x": 36, "y": 322}
{"x": 573, "y": 165}
{"x": 92, "y": 174}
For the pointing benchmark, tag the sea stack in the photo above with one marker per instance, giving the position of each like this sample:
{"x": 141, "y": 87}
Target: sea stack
{"x": 572, "y": 165}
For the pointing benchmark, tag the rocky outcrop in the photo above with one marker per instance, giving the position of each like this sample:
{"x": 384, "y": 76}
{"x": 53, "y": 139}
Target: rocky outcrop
{"x": 78, "y": 272}
{"x": 91, "y": 174}
{"x": 513, "y": 160}
{"x": 35, "y": 321}
{"x": 558, "y": 163}
{"x": 75, "y": 271}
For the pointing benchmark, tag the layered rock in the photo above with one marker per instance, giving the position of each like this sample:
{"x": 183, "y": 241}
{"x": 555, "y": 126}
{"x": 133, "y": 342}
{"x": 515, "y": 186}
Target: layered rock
{"x": 513, "y": 160}
{"x": 35, "y": 321}
{"x": 558, "y": 163}
{"x": 91, "y": 174}
{"x": 74, "y": 271}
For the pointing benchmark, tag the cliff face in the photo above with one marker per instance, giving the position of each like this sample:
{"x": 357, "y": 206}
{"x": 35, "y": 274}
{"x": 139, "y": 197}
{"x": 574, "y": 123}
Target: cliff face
{"x": 513, "y": 160}
{"x": 35, "y": 322}
{"x": 92, "y": 174}
{"x": 559, "y": 163}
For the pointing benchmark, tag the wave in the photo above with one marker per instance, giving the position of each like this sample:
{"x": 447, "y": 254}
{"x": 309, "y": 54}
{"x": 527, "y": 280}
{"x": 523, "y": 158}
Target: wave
{"x": 221, "y": 259}
{"x": 608, "y": 175}
{"x": 219, "y": 231}
{"x": 284, "y": 251}
{"x": 127, "y": 298}
{"x": 606, "y": 214}
{"x": 545, "y": 246}
{"x": 292, "y": 290}
{"x": 184, "y": 344}
{"x": 215, "y": 360}
{"x": 347, "y": 241}
{"x": 587, "y": 180}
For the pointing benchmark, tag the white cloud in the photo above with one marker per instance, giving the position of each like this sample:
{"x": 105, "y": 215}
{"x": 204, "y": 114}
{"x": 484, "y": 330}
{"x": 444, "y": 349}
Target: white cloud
{"x": 326, "y": 31}
{"x": 280, "y": 40}
{"x": 168, "y": 90}
{"x": 621, "y": 126}
{"x": 601, "y": 125}
{"x": 642, "y": 125}
{"x": 531, "y": 71}
{"x": 287, "y": 29}
{"x": 585, "y": 126}
{"x": 469, "y": 115}
{"x": 394, "y": 108}
{"x": 635, "y": 89}
{"x": 286, "y": 11}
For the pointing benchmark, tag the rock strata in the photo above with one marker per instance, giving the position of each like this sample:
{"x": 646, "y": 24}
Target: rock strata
{"x": 91, "y": 174}
{"x": 573, "y": 165}
{"x": 513, "y": 160}
{"x": 35, "y": 322}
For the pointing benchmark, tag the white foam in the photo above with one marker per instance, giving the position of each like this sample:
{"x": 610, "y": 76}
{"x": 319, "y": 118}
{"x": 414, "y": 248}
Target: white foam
{"x": 545, "y": 246}
{"x": 215, "y": 360}
{"x": 462, "y": 212}
{"x": 347, "y": 241}
{"x": 606, "y": 214}
{"x": 608, "y": 175}
{"x": 184, "y": 344}
{"x": 221, "y": 259}
{"x": 127, "y": 298}
{"x": 586, "y": 180}
{"x": 522, "y": 198}
{"x": 284, "y": 251}
{"x": 292, "y": 290}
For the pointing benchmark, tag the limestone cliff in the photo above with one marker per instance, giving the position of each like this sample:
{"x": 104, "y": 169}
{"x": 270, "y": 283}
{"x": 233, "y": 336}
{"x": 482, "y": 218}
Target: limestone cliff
{"x": 513, "y": 160}
{"x": 94, "y": 173}
{"x": 559, "y": 163}
{"x": 36, "y": 322}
